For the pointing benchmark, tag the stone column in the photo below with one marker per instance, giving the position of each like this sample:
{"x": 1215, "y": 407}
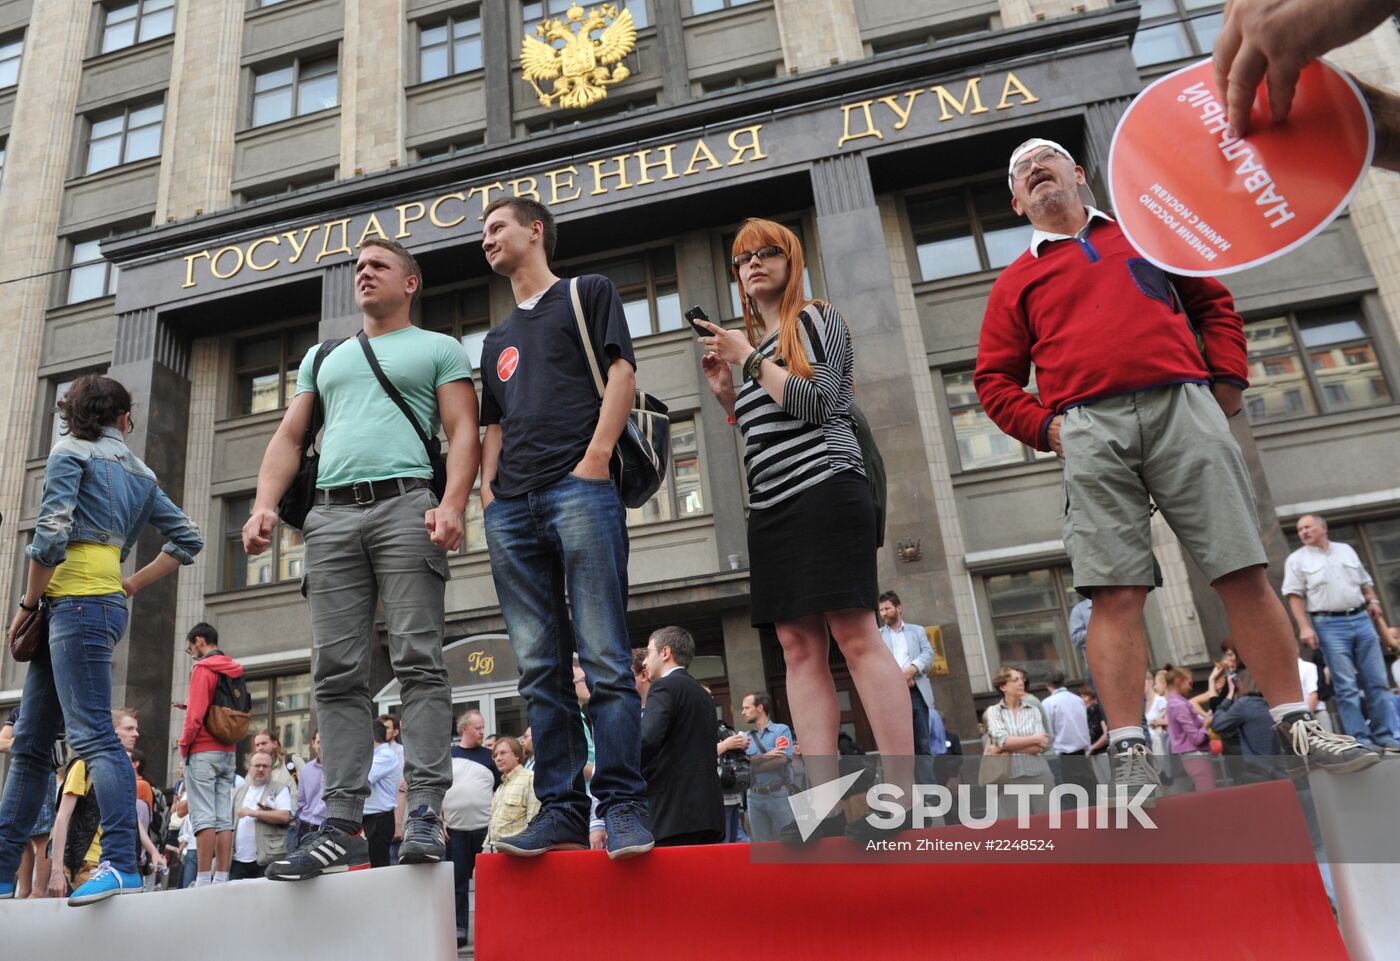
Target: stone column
{"x": 818, "y": 33}
{"x": 153, "y": 360}
{"x": 372, "y": 102}
{"x": 36, "y": 164}
{"x": 201, "y": 111}
{"x": 497, "y": 54}
{"x": 743, "y": 657}
{"x": 1017, "y": 13}
{"x": 670, "y": 44}
{"x": 891, "y": 372}
{"x": 339, "y": 315}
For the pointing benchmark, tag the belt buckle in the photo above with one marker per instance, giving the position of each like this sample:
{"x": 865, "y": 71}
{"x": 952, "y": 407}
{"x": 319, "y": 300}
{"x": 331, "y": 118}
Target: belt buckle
{"x": 369, "y": 490}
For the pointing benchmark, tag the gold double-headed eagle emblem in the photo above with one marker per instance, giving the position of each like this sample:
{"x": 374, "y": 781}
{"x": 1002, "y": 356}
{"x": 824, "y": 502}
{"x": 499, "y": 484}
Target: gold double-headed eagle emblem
{"x": 583, "y": 68}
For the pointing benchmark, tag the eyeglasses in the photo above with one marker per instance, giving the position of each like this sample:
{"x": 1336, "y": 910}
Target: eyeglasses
{"x": 762, "y": 253}
{"x": 1044, "y": 159}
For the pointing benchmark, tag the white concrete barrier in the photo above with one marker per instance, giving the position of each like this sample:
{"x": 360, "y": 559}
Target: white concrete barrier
{"x": 402, "y": 913}
{"x": 1357, "y": 815}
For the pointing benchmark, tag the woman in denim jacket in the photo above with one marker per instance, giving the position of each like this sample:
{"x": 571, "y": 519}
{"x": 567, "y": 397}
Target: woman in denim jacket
{"x": 98, "y": 498}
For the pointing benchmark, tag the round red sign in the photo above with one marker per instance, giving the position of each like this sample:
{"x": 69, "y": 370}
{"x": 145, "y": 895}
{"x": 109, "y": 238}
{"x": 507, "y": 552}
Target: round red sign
{"x": 1197, "y": 201}
{"x": 506, "y": 363}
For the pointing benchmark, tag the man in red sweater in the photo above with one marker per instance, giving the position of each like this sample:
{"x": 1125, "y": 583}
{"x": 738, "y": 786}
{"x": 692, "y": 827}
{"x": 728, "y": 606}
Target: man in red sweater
{"x": 1136, "y": 409}
{"x": 208, "y": 760}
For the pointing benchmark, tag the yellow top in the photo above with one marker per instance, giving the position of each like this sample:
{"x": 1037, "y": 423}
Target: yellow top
{"x": 90, "y": 569}
{"x": 78, "y": 784}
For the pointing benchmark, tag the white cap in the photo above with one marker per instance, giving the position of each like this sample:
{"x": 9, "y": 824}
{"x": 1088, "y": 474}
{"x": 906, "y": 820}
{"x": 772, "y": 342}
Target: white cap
{"x": 1026, "y": 148}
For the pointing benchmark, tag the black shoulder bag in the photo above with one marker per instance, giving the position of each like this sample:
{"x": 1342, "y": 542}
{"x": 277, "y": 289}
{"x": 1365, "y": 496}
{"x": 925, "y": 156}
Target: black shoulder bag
{"x": 431, "y": 444}
{"x": 301, "y": 495}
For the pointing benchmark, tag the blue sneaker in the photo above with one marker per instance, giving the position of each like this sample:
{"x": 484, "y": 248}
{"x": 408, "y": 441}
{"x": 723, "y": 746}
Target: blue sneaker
{"x": 628, "y": 835}
{"x": 552, "y": 829}
{"x": 105, "y": 883}
{"x": 7, "y": 890}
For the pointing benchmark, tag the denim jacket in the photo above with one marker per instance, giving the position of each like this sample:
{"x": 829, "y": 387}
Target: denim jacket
{"x": 99, "y": 492}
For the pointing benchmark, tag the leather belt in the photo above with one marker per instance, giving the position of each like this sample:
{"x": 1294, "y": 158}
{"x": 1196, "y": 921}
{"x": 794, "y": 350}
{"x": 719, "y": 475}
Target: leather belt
{"x": 365, "y": 493}
{"x": 1347, "y": 613}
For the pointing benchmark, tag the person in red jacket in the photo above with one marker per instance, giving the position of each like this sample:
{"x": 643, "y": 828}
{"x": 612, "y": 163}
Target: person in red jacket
{"x": 1135, "y": 405}
{"x": 208, "y": 760}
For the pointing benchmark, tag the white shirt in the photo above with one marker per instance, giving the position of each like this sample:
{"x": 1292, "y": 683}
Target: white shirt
{"x": 1069, "y": 721}
{"x": 245, "y": 840}
{"x": 901, "y": 646}
{"x": 1039, "y": 236}
{"x": 385, "y": 772}
{"x": 1329, "y": 580}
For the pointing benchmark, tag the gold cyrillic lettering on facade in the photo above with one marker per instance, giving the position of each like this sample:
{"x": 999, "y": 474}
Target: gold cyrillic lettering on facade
{"x": 870, "y": 131}
{"x": 485, "y": 190}
{"x": 253, "y": 249}
{"x": 189, "y": 267}
{"x": 1014, "y": 85}
{"x": 433, "y": 210}
{"x": 650, "y": 165}
{"x": 557, "y": 179}
{"x": 903, "y": 114}
{"x": 702, "y": 149}
{"x": 405, "y": 219}
{"x": 371, "y": 227}
{"x": 299, "y": 248}
{"x": 344, "y": 247}
{"x": 971, "y": 92}
{"x": 237, "y": 263}
{"x": 739, "y": 151}
{"x": 532, "y": 191}
{"x": 599, "y": 174}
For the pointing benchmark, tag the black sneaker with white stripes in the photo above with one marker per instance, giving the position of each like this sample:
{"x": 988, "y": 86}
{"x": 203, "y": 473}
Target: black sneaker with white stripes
{"x": 422, "y": 838}
{"x": 328, "y": 851}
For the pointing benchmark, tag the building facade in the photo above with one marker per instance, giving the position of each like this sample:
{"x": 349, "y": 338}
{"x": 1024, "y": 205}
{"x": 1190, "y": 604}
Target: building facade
{"x": 184, "y": 183}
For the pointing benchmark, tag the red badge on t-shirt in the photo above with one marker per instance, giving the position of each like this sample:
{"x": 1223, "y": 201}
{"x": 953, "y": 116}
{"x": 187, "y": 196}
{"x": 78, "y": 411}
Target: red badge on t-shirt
{"x": 781, "y": 742}
{"x": 506, "y": 363}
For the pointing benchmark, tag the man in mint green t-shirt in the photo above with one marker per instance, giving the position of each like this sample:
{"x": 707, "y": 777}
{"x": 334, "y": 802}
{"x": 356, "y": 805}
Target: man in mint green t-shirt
{"x": 377, "y": 533}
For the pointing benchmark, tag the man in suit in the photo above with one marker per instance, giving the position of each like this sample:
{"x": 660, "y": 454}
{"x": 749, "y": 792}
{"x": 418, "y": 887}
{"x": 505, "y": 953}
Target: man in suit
{"x": 679, "y": 732}
{"x": 911, "y": 649}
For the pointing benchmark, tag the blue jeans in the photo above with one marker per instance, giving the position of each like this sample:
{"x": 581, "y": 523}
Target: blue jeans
{"x": 768, "y": 815}
{"x": 1353, "y": 654}
{"x": 71, "y": 681}
{"x": 571, "y": 534}
{"x": 734, "y": 825}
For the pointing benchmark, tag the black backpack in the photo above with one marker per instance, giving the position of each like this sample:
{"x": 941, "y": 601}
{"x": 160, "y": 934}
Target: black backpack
{"x": 160, "y": 818}
{"x": 735, "y": 772}
{"x": 230, "y": 710}
{"x": 82, "y": 828}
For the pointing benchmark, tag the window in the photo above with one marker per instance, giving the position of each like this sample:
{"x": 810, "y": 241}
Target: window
{"x": 280, "y": 562}
{"x": 1310, "y": 362}
{"x": 281, "y": 704}
{"x": 966, "y": 230}
{"x": 698, "y": 7}
{"x": 133, "y": 23}
{"x": 451, "y": 148}
{"x": 133, "y": 134}
{"x": 646, "y": 282}
{"x": 60, "y": 390}
{"x": 726, "y": 252}
{"x": 449, "y": 48}
{"x": 1377, "y": 543}
{"x": 1173, "y": 30}
{"x": 11, "y": 49}
{"x": 3, "y": 144}
{"x": 736, "y": 82}
{"x": 90, "y": 276}
{"x": 291, "y": 91}
{"x": 1030, "y": 619}
{"x": 465, "y": 314}
{"x": 681, "y": 493}
{"x": 265, "y": 368}
{"x": 981, "y": 443}
{"x": 533, "y": 11}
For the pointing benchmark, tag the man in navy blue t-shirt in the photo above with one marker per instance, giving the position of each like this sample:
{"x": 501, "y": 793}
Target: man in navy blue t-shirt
{"x": 554, "y": 520}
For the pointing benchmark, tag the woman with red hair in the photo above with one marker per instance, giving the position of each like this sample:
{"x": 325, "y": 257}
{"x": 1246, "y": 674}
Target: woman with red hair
{"x": 811, "y": 532}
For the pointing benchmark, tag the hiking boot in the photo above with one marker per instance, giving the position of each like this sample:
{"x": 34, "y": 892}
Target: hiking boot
{"x": 628, "y": 835}
{"x": 422, "y": 838}
{"x": 552, "y": 829}
{"x": 105, "y": 882}
{"x": 1130, "y": 767}
{"x": 1320, "y": 749}
{"x": 327, "y": 851}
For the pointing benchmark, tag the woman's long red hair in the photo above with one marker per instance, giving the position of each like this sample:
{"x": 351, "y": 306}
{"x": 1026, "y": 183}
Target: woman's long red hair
{"x": 756, "y": 233}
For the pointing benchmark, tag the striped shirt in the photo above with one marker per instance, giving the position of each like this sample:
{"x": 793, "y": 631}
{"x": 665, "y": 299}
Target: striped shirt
{"x": 1026, "y": 721}
{"x": 809, "y": 437}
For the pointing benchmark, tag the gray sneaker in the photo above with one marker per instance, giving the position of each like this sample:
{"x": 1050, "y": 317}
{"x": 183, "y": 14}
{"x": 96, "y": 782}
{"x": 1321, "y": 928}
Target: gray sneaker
{"x": 422, "y": 838}
{"x": 1130, "y": 767}
{"x": 1323, "y": 750}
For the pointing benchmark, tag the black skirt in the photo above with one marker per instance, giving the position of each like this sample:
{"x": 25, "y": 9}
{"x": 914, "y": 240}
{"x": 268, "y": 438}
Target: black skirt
{"x": 814, "y": 552}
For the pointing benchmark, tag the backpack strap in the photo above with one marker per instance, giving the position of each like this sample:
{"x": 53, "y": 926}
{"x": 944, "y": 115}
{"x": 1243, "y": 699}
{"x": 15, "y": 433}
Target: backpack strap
{"x": 318, "y": 410}
{"x": 584, "y": 339}
{"x": 394, "y": 394}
